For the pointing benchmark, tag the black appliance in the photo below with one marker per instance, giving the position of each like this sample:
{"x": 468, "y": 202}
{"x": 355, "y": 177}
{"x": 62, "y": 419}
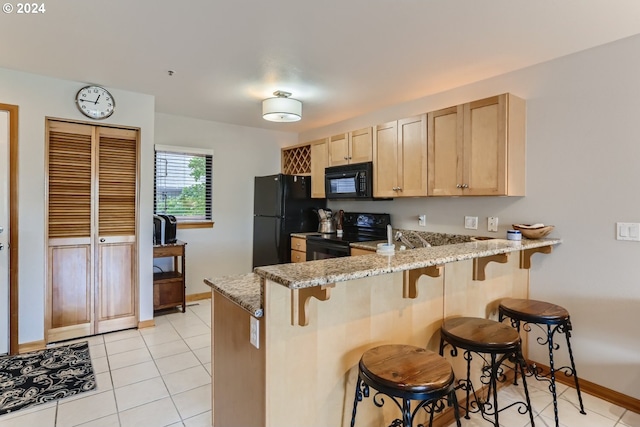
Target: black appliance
{"x": 282, "y": 205}
{"x": 354, "y": 181}
{"x": 164, "y": 229}
{"x": 357, "y": 227}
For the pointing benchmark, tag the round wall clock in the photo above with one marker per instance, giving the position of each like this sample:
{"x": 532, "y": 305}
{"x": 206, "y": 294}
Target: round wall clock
{"x": 95, "y": 102}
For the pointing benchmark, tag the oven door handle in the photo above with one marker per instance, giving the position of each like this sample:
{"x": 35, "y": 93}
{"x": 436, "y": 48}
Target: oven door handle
{"x": 326, "y": 245}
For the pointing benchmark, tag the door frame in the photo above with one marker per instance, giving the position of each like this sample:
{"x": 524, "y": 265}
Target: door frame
{"x": 13, "y": 226}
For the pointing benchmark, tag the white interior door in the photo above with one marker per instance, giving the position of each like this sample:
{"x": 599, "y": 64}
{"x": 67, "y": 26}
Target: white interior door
{"x": 4, "y": 232}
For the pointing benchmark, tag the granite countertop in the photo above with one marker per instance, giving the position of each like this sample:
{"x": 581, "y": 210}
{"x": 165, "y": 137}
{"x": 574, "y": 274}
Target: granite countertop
{"x": 434, "y": 239}
{"x": 246, "y": 289}
{"x": 304, "y": 235}
{"x": 321, "y": 272}
{"x": 413, "y": 236}
{"x": 243, "y": 289}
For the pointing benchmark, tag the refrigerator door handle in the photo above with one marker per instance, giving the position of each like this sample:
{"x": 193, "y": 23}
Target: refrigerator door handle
{"x": 277, "y": 231}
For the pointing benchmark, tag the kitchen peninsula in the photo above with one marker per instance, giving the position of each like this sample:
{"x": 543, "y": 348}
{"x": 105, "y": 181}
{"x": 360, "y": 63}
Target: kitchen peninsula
{"x": 315, "y": 319}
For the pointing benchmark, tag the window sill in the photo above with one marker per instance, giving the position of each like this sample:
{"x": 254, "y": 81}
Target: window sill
{"x": 195, "y": 224}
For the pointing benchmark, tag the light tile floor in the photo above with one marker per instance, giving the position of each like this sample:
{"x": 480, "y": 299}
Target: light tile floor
{"x": 161, "y": 376}
{"x": 599, "y": 412}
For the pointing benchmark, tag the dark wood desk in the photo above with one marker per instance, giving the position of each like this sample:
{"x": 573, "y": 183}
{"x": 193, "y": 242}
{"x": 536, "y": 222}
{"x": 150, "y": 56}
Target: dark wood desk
{"x": 169, "y": 286}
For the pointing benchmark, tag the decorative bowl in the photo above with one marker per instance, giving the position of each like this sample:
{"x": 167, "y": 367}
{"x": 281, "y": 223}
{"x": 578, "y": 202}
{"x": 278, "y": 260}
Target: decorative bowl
{"x": 533, "y": 233}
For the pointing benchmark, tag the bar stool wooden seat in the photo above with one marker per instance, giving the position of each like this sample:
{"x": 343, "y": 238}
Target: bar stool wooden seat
{"x": 525, "y": 312}
{"x": 494, "y": 343}
{"x": 406, "y": 373}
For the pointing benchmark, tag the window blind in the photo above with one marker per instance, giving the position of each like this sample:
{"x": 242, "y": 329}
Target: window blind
{"x": 183, "y": 183}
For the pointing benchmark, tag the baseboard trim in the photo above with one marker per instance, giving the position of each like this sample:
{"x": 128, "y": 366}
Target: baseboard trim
{"x": 146, "y": 324}
{"x": 198, "y": 297}
{"x": 604, "y": 393}
{"x": 28, "y": 347}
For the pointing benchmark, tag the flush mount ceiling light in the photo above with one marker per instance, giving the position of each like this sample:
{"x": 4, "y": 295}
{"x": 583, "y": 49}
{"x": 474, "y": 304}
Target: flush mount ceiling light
{"x": 281, "y": 108}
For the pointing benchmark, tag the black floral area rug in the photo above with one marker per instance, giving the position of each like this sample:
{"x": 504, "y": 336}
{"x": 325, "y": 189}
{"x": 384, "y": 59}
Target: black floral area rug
{"x": 42, "y": 376}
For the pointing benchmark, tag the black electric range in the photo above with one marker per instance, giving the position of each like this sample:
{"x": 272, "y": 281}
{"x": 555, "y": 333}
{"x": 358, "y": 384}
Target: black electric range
{"x": 357, "y": 227}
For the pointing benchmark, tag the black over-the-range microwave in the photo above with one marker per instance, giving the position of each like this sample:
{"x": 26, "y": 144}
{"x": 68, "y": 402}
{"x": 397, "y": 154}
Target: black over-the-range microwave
{"x": 353, "y": 181}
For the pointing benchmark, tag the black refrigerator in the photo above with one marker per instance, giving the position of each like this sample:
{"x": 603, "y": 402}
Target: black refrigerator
{"x": 282, "y": 205}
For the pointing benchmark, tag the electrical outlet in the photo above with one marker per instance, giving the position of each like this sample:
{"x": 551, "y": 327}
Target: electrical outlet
{"x": 471, "y": 222}
{"x": 254, "y": 333}
{"x": 492, "y": 223}
{"x": 422, "y": 220}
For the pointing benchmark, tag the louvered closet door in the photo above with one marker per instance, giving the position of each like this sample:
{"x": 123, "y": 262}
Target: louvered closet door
{"x": 116, "y": 290}
{"x": 69, "y": 285}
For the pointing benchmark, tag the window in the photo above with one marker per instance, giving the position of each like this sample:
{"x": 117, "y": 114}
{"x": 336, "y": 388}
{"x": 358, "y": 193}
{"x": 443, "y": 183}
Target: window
{"x": 183, "y": 183}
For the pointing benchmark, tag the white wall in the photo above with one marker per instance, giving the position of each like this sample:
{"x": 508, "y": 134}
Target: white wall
{"x": 239, "y": 154}
{"x": 39, "y": 97}
{"x": 583, "y": 149}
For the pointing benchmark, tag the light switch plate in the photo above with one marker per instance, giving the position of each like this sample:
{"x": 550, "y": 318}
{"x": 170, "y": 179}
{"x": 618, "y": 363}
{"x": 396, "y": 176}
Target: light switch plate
{"x": 422, "y": 220}
{"x": 628, "y": 231}
{"x": 254, "y": 333}
{"x": 471, "y": 222}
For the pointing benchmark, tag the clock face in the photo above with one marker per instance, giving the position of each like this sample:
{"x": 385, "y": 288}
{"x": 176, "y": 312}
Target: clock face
{"x": 95, "y": 102}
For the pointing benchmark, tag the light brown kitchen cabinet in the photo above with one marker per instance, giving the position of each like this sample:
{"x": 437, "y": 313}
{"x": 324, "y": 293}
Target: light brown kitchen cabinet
{"x": 298, "y": 249}
{"x": 296, "y": 160}
{"x": 92, "y": 191}
{"x": 319, "y": 161}
{"x": 351, "y": 147}
{"x": 478, "y": 148}
{"x": 358, "y": 251}
{"x": 400, "y": 158}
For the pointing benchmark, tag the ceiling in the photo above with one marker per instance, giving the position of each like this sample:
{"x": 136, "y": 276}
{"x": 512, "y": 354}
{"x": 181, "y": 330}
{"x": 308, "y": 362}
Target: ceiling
{"x": 341, "y": 58}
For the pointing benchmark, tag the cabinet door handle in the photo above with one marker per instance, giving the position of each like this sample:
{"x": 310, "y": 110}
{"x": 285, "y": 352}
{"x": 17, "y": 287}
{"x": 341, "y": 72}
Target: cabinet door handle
{"x": 465, "y": 185}
{"x": 459, "y": 186}
{"x": 102, "y": 240}
{"x": 399, "y": 188}
{"x": 346, "y": 158}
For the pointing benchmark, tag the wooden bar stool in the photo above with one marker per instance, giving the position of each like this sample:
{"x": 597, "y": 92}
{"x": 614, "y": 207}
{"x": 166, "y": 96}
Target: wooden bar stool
{"x": 500, "y": 343}
{"x": 525, "y": 312}
{"x": 406, "y": 373}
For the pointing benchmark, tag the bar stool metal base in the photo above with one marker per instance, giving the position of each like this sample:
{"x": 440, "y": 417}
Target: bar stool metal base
{"x": 495, "y": 344}
{"x": 405, "y": 374}
{"x": 551, "y": 319}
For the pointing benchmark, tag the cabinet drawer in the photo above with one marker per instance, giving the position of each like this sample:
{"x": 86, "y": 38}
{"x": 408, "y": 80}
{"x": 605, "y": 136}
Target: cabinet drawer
{"x": 168, "y": 251}
{"x": 297, "y": 256}
{"x": 298, "y": 244}
{"x": 168, "y": 293}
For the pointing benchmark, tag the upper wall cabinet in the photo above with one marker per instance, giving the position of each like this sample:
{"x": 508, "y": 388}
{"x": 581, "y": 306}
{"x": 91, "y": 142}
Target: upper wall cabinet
{"x": 478, "y": 148}
{"x": 296, "y": 160}
{"x": 352, "y": 147}
{"x": 319, "y": 161}
{"x": 400, "y": 158}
